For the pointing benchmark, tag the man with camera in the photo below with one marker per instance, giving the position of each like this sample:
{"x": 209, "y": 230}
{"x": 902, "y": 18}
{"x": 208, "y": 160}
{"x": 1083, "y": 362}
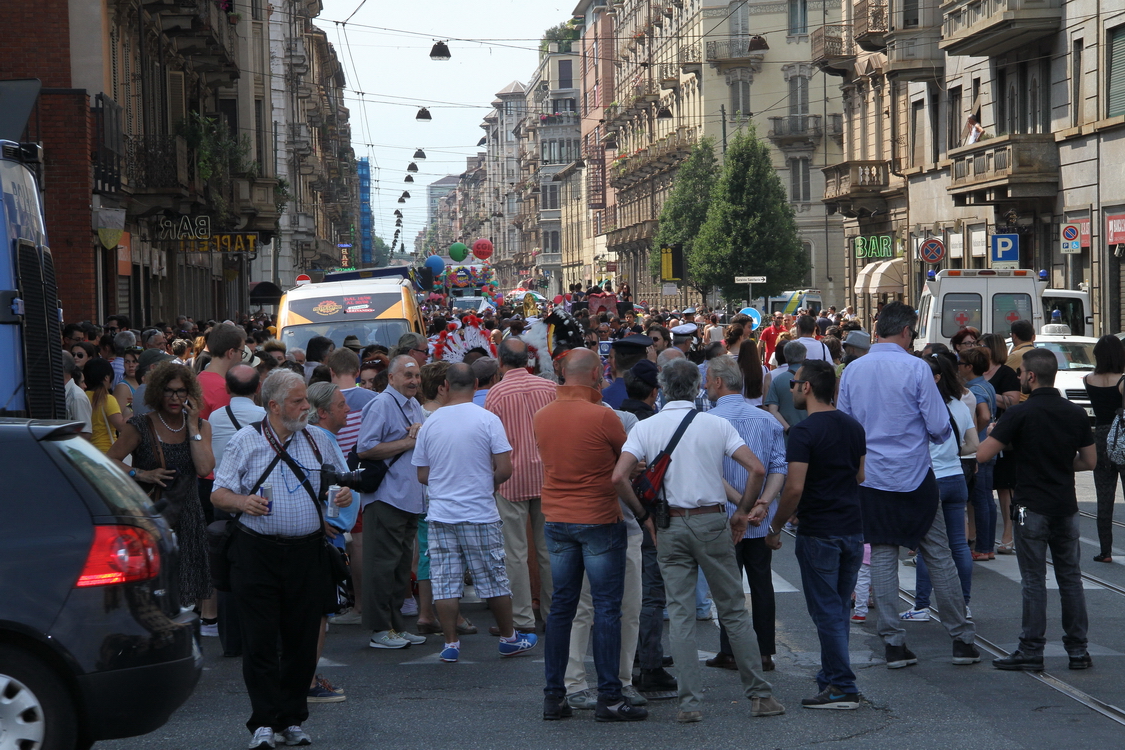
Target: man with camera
{"x": 463, "y": 455}
{"x": 280, "y": 573}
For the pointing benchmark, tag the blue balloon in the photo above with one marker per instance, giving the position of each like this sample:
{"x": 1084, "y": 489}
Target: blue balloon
{"x": 435, "y": 264}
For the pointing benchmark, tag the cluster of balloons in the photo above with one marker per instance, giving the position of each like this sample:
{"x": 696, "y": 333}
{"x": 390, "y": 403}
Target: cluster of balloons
{"x": 459, "y": 251}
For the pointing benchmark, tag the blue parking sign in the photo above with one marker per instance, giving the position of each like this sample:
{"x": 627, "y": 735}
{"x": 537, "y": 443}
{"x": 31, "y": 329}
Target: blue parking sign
{"x": 1005, "y": 248}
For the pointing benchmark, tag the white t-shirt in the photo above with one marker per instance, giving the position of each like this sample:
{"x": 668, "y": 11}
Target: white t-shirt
{"x": 78, "y": 406}
{"x": 458, "y": 442}
{"x": 816, "y": 349}
{"x": 946, "y": 461}
{"x": 695, "y": 475}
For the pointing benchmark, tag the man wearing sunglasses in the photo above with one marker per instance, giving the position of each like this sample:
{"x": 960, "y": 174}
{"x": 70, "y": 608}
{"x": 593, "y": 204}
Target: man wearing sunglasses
{"x": 892, "y": 394}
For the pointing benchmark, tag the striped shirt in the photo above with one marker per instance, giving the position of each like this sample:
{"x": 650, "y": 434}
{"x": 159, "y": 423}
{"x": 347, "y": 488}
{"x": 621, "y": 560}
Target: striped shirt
{"x": 765, "y": 437}
{"x": 248, "y": 454}
{"x": 515, "y": 399}
{"x": 357, "y": 398}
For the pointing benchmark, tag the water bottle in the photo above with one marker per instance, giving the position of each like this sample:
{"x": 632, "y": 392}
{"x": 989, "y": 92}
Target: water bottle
{"x": 266, "y": 492}
{"x": 333, "y": 510}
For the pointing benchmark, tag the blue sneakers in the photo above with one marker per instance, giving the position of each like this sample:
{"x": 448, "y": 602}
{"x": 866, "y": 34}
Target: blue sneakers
{"x": 451, "y": 652}
{"x": 523, "y": 642}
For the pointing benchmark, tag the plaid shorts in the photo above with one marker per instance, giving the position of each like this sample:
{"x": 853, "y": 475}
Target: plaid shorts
{"x": 478, "y": 545}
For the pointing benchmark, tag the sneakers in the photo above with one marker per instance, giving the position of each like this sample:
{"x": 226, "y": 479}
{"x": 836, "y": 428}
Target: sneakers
{"x": 915, "y": 615}
{"x": 451, "y": 652}
{"x": 294, "y": 735}
{"x": 324, "y": 683}
{"x": 630, "y": 694}
{"x": 409, "y": 607}
{"x": 1018, "y": 661}
{"x": 968, "y": 613}
{"x": 523, "y": 642}
{"x": 387, "y": 639}
{"x": 833, "y": 698}
{"x": 583, "y": 700}
{"x": 351, "y": 617}
{"x": 687, "y": 717}
{"x": 209, "y": 629}
{"x": 911, "y": 560}
{"x": 263, "y": 737}
{"x": 965, "y": 653}
{"x": 620, "y": 710}
{"x": 653, "y": 680}
{"x": 556, "y": 708}
{"x": 1082, "y": 661}
{"x": 320, "y": 694}
{"x": 416, "y": 640}
{"x": 899, "y": 657}
{"x": 859, "y": 618}
{"x": 767, "y": 706}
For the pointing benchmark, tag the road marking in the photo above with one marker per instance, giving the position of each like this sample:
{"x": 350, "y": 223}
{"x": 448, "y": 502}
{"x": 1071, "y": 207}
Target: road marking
{"x": 435, "y": 658}
{"x": 1117, "y": 554}
{"x": 1005, "y": 565}
{"x": 326, "y": 662}
{"x": 1056, "y": 648}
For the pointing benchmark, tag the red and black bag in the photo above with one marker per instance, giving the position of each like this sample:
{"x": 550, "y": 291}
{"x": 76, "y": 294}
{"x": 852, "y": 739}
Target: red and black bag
{"x": 650, "y": 483}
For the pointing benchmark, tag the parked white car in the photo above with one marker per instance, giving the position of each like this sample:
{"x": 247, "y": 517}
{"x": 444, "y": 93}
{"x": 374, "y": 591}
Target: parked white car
{"x": 1075, "y": 355}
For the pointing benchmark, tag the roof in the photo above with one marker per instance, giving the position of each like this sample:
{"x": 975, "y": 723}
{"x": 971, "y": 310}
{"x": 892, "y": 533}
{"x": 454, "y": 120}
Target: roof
{"x": 515, "y": 87}
{"x": 449, "y": 179}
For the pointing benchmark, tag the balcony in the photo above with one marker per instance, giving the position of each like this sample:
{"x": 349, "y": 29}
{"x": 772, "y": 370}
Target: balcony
{"x": 298, "y": 60}
{"x": 835, "y": 126}
{"x": 669, "y": 75}
{"x": 595, "y": 181}
{"x": 852, "y": 180}
{"x": 645, "y": 93}
{"x": 993, "y": 27}
{"x": 737, "y": 52}
{"x": 200, "y": 30}
{"x": 255, "y": 200}
{"x": 157, "y": 164}
{"x": 1004, "y": 168}
{"x": 689, "y": 59}
{"x": 833, "y": 50}
{"x": 661, "y": 156}
{"x": 300, "y": 138}
{"x": 110, "y": 145}
{"x": 795, "y": 130}
{"x": 559, "y": 119}
{"x": 915, "y": 54}
{"x": 871, "y": 24}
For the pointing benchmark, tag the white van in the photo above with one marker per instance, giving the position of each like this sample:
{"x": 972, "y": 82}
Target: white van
{"x": 990, "y": 300}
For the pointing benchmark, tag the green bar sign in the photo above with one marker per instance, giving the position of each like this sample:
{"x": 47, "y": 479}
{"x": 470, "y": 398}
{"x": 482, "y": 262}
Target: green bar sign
{"x": 876, "y": 246}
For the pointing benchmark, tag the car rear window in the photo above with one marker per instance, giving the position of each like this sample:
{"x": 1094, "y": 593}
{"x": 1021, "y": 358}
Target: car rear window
{"x": 959, "y": 310}
{"x": 1007, "y": 308}
{"x": 121, "y": 494}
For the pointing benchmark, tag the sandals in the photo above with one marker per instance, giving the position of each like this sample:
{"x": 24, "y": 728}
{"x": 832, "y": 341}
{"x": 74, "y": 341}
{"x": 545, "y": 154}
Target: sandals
{"x": 983, "y": 556}
{"x": 466, "y": 628}
{"x": 1006, "y": 548}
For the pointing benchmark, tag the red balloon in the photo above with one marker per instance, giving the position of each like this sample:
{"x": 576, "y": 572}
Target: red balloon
{"x": 558, "y": 299}
{"x": 482, "y": 249}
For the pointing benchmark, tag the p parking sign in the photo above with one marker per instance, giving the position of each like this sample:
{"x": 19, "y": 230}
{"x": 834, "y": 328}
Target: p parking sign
{"x": 1070, "y": 239}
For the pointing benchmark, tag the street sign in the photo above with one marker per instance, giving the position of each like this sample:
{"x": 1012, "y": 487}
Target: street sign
{"x": 303, "y": 279}
{"x": 1070, "y": 239}
{"x": 749, "y": 279}
{"x": 932, "y": 250}
{"x": 755, "y": 317}
{"x": 1005, "y": 251}
{"x": 669, "y": 290}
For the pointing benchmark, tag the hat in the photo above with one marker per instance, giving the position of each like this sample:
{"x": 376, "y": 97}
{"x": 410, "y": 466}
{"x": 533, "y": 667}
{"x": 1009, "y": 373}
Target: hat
{"x": 150, "y": 357}
{"x": 352, "y": 342}
{"x": 645, "y": 371}
{"x": 689, "y": 311}
{"x": 858, "y": 339}
{"x": 635, "y": 340}
{"x": 687, "y": 329}
{"x": 249, "y": 357}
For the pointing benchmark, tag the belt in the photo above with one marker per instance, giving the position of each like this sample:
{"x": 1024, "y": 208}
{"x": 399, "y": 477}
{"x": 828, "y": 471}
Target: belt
{"x": 680, "y": 512}
{"x": 280, "y": 539}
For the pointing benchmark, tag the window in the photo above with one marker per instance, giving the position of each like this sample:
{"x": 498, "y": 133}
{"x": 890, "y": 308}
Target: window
{"x": 961, "y": 310}
{"x": 566, "y": 75}
{"x": 1077, "y": 100}
{"x": 740, "y": 99}
{"x": 917, "y": 133}
{"x": 798, "y": 17}
{"x": 550, "y": 196}
{"x": 1007, "y": 309}
{"x": 910, "y": 17}
{"x": 1071, "y": 309}
{"x": 954, "y": 125}
{"x": 798, "y": 95}
{"x": 799, "y": 188}
{"x": 1115, "y": 80}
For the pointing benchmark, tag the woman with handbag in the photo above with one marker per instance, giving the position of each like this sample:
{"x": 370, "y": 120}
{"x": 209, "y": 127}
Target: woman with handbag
{"x": 105, "y": 413}
{"x": 949, "y": 460}
{"x": 171, "y": 448}
{"x": 1105, "y": 387}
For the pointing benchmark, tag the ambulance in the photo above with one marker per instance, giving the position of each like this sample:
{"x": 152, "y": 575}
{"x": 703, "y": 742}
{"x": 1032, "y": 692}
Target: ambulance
{"x": 990, "y": 300}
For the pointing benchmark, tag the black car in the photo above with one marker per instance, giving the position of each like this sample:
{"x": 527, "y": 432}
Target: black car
{"x": 93, "y": 642}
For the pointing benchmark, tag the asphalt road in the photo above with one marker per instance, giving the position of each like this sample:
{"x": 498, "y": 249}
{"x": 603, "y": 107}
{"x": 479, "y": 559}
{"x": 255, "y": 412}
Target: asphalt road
{"x": 409, "y": 699}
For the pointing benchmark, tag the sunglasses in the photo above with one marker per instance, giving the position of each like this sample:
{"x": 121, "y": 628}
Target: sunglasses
{"x": 793, "y": 383}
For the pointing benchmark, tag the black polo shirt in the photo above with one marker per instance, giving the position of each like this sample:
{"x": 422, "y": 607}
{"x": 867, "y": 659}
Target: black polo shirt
{"x": 1046, "y": 432}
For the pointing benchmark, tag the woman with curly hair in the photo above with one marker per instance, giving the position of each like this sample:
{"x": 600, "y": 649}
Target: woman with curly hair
{"x": 171, "y": 447}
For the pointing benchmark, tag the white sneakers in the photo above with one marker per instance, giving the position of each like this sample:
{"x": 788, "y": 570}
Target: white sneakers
{"x": 394, "y": 639}
{"x": 263, "y": 737}
{"x": 351, "y": 617}
{"x": 411, "y": 638}
{"x": 915, "y": 615}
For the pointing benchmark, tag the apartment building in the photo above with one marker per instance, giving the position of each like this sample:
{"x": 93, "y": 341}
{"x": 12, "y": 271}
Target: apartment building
{"x": 502, "y": 162}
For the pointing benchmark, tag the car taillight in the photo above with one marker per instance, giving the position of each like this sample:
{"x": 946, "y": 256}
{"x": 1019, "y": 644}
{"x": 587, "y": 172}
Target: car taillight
{"x": 120, "y": 554}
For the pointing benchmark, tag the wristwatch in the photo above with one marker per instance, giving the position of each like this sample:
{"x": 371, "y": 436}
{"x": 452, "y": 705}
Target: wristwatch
{"x": 197, "y": 436}
{"x": 132, "y": 473}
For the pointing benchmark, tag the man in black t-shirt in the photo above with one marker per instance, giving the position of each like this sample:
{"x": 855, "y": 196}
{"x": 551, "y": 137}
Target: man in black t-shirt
{"x": 826, "y": 452}
{"x": 1052, "y": 440}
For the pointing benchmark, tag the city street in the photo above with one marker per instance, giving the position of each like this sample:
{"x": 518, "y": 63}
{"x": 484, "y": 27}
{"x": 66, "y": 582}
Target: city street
{"x": 408, "y": 699}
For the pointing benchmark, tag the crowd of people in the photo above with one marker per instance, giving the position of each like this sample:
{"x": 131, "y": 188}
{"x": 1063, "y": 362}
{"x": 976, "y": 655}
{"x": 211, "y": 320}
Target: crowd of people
{"x": 592, "y": 475}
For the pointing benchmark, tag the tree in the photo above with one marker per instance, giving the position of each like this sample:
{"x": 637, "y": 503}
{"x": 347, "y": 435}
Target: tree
{"x": 685, "y": 210}
{"x": 380, "y": 252}
{"x": 564, "y": 34}
{"x": 750, "y": 227}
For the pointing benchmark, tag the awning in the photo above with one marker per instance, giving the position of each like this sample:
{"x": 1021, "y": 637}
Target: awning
{"x": 889, "y": 277}
{"x": 264, "y": 293}
{"x": 861, "y": 280}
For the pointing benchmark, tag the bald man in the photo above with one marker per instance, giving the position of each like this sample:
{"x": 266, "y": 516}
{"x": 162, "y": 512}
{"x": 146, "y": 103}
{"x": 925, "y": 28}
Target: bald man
{"x": 579, "y": 441}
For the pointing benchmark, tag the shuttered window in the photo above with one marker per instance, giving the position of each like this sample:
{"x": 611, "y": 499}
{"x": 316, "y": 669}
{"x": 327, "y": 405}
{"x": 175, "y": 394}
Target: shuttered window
{"x": 1115, "y": 95}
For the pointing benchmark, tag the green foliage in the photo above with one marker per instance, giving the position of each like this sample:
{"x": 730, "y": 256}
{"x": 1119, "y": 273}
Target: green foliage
{"x": 564, "y": 34}
{"x": 750, "y": 228}
{"x": 685, "y": 210}
{"x": 219, "y": 156}
{"x": 380, "y": 252}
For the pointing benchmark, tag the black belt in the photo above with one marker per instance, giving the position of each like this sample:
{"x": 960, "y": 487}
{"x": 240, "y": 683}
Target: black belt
{"x": 276, "y": 539}
{"x": 681, "y": 512}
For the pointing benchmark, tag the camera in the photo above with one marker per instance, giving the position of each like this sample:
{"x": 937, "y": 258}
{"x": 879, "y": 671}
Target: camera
{"x": 330, "y": 475}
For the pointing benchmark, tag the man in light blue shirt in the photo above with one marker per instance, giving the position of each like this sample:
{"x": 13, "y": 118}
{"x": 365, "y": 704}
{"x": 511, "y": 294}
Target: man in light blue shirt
{"x": 892, "y": 394}
{"x": 389, "y": 427}
{"x": 487, "y": 372}
{"x": 765, "y": 437}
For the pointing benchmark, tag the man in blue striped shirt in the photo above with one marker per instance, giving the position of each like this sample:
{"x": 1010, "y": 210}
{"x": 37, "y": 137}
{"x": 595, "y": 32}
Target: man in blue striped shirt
{"x": 765, "y": 437}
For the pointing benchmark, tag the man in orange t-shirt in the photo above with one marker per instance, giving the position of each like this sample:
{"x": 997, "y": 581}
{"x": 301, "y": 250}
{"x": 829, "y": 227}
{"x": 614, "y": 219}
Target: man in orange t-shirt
{"x": 579, "y": 441}
{"x": 769, "y": 336}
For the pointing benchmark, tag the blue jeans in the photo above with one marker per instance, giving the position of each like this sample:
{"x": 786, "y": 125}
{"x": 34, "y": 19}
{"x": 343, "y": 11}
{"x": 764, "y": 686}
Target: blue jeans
{"x": 1034, "y": 535}
{"x": 984, "y": 505}
{"x": 829, "y": 568}
{"x": 598, "y": 551}
{"x": 954, "y": 493}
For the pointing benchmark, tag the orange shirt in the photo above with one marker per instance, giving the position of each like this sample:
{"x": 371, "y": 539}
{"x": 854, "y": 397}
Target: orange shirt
{"x": 579, "y": 442}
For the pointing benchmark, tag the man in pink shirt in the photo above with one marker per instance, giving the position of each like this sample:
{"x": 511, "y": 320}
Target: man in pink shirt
{"x": 515, "y": 399}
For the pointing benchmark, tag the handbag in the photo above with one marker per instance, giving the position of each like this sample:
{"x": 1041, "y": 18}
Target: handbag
{"x": 169, "y": 500}
{"x": 649, "y": 484}
{"x": 968, "y": 465}
{"x": 374, "y": 470}
{"x": 1115, "y": 439}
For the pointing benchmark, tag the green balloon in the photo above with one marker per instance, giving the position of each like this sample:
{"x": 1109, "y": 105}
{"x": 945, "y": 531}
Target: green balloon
{"x": 458, "y": 251}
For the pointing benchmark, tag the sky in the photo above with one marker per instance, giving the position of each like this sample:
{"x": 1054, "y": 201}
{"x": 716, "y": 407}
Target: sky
{"x": 385, "y": 51}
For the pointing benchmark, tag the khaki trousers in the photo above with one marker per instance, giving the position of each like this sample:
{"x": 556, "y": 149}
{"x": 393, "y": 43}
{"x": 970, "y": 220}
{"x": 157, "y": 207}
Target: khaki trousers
{"x": 515, "y": 516}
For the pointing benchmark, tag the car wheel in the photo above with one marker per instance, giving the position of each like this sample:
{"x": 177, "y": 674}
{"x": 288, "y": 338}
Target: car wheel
{"x": 35, "y": 708}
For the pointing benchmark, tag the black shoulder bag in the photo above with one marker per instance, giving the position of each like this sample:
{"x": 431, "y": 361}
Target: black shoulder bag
{"x": 221, "y": 532}
{"x": 374, "y": 471}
